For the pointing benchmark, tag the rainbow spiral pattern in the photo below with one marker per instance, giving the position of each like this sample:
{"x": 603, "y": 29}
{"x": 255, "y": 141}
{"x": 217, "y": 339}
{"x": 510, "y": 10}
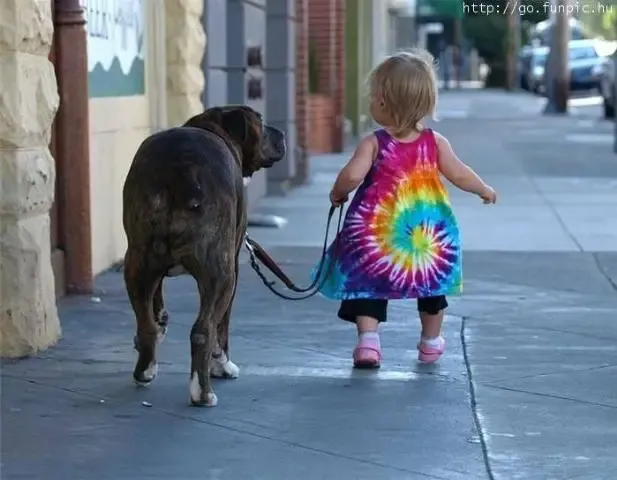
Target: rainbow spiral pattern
{"x": 400, "y": 238}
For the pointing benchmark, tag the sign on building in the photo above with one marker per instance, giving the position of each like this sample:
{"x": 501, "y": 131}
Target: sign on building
{"x": 115, "y": 47}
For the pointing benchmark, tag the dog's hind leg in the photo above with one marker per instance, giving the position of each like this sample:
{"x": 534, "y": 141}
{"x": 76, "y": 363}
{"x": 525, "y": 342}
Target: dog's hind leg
{"x": 141, "y": 282}
{"x": 215, "y": 285}
{"x": 221, "y": 365}
{"x": 160, "y": 313}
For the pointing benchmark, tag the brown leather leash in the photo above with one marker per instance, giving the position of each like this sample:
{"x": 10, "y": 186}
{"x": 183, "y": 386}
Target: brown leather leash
{"x": 258, "y": 254}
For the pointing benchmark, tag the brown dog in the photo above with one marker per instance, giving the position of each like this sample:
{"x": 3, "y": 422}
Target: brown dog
{"x": 185, "y": 212}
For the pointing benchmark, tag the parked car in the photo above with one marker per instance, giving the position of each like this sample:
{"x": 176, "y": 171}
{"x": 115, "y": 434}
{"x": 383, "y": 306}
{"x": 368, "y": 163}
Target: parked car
{"x": 586, "y": 60}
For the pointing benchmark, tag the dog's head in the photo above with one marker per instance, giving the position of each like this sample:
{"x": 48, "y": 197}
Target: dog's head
{"x": 260, "y": 145}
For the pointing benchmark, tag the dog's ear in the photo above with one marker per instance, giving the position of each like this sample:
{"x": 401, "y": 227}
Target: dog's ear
{"x": 244, "y": 126}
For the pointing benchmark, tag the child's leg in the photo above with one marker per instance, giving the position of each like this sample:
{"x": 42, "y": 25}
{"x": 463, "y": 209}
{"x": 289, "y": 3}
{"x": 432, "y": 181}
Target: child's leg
{"x": 431, "y": 345}
{"x": 367, "y": 315}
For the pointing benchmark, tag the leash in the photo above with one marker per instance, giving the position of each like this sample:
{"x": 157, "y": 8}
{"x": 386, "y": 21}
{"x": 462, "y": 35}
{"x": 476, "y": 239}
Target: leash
{"x": 258, "y": 254}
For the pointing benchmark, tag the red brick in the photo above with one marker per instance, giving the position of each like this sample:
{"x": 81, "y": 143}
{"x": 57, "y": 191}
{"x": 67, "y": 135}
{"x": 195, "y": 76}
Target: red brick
{"x": 327, "y": 35}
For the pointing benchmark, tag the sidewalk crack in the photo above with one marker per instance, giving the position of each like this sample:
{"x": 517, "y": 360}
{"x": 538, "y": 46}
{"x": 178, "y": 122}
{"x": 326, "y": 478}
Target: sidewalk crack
{"x": 550, "y": 395}
{"x": 474, "y": 406}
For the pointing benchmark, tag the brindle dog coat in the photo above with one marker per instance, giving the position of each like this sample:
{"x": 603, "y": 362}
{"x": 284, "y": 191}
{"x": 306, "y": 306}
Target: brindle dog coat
{"x": 185, "y": 212}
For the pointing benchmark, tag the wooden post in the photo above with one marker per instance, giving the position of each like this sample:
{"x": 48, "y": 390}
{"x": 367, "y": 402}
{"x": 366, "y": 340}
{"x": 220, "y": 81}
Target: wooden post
{"x": 560, "y": 44}
{"x": 513, "y": 28}
{"x": 72, "y": 145}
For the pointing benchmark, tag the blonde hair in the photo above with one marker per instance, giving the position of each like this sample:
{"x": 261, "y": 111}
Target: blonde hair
{"x": 406, "y": 83}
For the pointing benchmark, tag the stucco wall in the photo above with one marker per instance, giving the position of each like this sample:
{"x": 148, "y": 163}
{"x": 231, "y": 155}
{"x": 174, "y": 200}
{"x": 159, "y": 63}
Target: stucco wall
{"x": 126, "y": 103}
{"x": 173, "y": 49}
{"x": 117, "y": 126}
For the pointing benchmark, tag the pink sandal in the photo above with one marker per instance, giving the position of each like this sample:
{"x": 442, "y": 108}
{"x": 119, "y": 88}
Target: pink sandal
{"x": 428, "y": 354}
{"x": 367, "y": 355}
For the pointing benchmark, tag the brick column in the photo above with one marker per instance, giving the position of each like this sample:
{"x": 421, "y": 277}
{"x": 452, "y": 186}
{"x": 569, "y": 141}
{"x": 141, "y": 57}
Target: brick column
{"x": 327, "y": 34}
{"x": 185, "y": 46}
{"x": 28, "y": 104}
{"x": 339, "y": 76}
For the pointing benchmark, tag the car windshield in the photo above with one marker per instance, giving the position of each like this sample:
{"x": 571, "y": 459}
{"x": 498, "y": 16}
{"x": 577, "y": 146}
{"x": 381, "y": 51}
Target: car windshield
{"x": 582, "y": 53}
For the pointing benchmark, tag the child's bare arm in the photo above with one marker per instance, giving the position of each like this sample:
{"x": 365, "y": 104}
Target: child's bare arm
{"x": 460, "y": 174}
{"x": 356, "y": 169}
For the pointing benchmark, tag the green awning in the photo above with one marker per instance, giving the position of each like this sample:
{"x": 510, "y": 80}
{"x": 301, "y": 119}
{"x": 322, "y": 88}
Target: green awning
{"x": 440, "y": 8}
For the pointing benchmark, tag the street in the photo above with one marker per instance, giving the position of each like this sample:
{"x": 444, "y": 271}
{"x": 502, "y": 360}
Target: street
{"x": 526, "y": 389}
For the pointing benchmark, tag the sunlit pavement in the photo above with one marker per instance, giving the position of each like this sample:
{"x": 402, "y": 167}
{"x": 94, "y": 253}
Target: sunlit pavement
{"x": 525, "y": 391}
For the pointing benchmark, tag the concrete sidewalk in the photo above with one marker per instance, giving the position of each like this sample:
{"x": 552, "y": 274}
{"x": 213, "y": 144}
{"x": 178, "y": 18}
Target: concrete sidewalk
{"x": 525, "y": 391}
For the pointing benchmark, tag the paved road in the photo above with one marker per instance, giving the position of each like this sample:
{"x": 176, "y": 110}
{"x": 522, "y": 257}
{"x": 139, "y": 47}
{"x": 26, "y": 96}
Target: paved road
{"x": 526, "y": 390}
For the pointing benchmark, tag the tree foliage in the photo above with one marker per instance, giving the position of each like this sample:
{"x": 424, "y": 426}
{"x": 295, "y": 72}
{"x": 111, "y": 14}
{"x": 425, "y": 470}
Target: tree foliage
{"x": 489, "y": 33}
{"x": 599, "y": 18}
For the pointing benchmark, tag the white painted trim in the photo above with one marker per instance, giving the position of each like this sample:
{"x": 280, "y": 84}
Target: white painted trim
{"x": 156, "y": 67}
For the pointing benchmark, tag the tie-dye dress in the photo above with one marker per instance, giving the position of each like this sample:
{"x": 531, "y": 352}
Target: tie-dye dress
{"x": 400, "y": 238}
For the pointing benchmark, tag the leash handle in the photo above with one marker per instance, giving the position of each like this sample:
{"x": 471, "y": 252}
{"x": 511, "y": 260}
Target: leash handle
{"x": 257, "y": 252}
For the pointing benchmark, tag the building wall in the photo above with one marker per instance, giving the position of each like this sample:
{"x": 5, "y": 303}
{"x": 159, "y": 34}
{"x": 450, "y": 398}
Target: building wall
{"x": 235, "y": 25}
{"x": 352, "y": 60}
{"x": 185, "y": 44}
{"x": 28, "y": 104}
{"x": 281, "y": 88}
{"x": 327, "y": 40}
{"x": 121, "y": 114}
{"x": 240, "y": 27}
{"x": 366, "y": 63}
{"x": 302, "y": 90}
{"x": 214, "y": 63}
{"x": 113, "y": 141}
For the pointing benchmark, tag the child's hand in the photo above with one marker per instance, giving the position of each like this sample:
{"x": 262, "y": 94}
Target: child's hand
{"x": 488, "y": 195}
{"x": 336, "y": 200}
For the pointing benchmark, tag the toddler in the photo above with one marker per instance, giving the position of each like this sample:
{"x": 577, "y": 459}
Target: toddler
{"x": 400, "y": 238}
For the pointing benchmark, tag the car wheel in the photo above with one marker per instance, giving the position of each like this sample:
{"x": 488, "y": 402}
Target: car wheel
{"x": 609, "y": 110}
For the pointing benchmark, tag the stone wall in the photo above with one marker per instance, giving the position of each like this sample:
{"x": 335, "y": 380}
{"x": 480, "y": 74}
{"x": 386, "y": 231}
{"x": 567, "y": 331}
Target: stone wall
{"x": 28, "y": 104}
{"x": 185, "y": 47}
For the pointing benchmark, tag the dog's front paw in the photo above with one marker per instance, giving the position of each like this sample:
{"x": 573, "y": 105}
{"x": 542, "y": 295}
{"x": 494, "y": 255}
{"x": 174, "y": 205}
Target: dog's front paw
{"x": 199, "y": 397}
{"x": 222, "y": 367}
